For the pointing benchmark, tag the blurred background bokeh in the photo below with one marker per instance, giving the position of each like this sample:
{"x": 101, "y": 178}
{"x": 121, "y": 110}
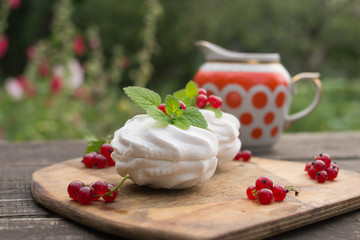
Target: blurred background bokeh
{"x": 63, "y": 63}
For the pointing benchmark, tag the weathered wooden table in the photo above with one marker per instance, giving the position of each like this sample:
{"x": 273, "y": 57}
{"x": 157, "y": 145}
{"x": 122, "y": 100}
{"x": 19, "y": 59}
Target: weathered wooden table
{"x": 22, "y": 218}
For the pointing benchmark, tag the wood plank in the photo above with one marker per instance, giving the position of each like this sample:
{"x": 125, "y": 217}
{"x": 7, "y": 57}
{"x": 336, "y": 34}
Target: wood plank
{"x": 217, "y": 209}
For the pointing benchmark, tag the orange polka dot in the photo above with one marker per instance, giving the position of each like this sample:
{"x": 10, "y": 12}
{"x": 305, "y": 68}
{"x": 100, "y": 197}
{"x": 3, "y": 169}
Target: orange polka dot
{"x": 246, "y": 119}
{"x": 233, "y": 99}
{"x": 259, "y": 100}
{"x": 256, "y": 133}
{"x": 274, "y": 131}
{"x": 280, "y": 99}
{"x": 269, "y": 118}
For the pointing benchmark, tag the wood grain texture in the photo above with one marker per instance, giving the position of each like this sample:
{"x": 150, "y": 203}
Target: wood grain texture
{"x": 217, "y": 209}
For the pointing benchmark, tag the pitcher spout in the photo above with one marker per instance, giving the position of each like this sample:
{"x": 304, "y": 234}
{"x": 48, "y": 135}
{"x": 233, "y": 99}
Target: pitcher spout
{"x": 213, "y": 52}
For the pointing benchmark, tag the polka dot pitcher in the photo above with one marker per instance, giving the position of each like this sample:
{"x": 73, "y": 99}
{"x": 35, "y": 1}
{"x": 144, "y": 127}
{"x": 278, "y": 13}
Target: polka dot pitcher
{"x": 255, "y": 88}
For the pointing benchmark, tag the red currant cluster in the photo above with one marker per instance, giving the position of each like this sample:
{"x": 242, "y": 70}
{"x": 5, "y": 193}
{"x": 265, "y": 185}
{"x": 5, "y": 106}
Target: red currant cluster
{"x": 322, "y": 168}
{"x": 85, "y": 194}
{"x": 244, "y": 155}
{"x": 265, "y": 192}
{"x": 162, "y": 107}
{"x": 101, "y": 159}
{"x": 202, "y": 100}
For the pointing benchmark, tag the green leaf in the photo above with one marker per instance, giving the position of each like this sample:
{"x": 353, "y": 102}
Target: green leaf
{"x": 187, "y": 101}
{"x": 143, "y": 97}
{"x": 191, "y": 90}
{"x": 195, "y": 117}
{"x": 182, "y": 122}
{"x": 171, "y": 104}
{"x": 158, "y": 115}
{"x": 218, "y": 112}
{"x": 180, "y": 94}
{"x": 178, "y": 112}
{"x": 94, "y": 144}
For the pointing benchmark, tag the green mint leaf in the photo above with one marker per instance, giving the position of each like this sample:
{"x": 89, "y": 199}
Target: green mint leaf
{"x": 191, "y": 90}
{"x": 158, "y": 115}
{"x": 180, "y": 94}
{"x": 94, "y": 144}
{"x": 182, "y": 122}
{"x": 143, "y": 97}
{"x": 171, "y": 104}
{"x": 178, "y": 112}
{"x": 218, "y": 112}
{"x": 195, "y": 117}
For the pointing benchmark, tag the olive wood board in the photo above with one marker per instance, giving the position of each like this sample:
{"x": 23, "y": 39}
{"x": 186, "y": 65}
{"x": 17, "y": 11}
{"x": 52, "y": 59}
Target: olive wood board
{"x": 216, "y": 209}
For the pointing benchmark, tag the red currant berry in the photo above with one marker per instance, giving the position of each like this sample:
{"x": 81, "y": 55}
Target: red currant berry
{"x": 100, "y": 187}
{"x": 332, "y": 172}
{"x": 88, "y": 159}
{"x": 307, "y": 166}
{"x": 95, "y": 197}
{"x": 265, "y": 196}
{"x": 100, "y": 160}
{"x": 215, "y": 101}
{"x": 182, "y": 105}
{"x": 312, "y": 172}
{"x": 246, "y": 155}
{"x": 263, "y": 182}
{"x": 334, "y": 165}
{"x": 85, "y": 195}
{"x": 249, "y": 192}
{"x": 238, "y": 156}
{"x": 202, "y": 91}
{"x": 73, "y": 189}
{"x": 201, "y": 101}
{"x": 321, "y": 176}
{"x": 110, "y": 198}
{"x": 319, "y": 165}
{"x": 162, "y": 107}
{"x": 279, "y": 192}
{"x": 324, "y": 157}
{"x": 106, "y": 149}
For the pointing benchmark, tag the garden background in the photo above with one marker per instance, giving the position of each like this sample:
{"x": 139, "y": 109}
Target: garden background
{"x": 63, "y": 63}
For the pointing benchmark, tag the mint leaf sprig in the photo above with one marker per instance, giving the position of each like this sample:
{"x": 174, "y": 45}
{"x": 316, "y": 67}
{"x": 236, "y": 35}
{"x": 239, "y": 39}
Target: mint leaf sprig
{"x": 150, "y": 101}
{"x": 94, "y": 143}
{"x": 188, "y": 97}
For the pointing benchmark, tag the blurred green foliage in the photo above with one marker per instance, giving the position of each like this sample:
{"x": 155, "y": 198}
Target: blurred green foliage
{"x": 317, "y": 35}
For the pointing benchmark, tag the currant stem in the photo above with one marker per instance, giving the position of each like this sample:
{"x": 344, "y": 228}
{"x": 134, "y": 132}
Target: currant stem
{"x": 292, "y": 189}
{"x": 117, "y": 186}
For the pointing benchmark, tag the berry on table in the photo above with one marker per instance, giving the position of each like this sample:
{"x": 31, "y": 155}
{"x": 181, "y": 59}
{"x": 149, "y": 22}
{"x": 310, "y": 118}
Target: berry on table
{"x": 201, "y": 101}
{"x": 100, "y": 161}
{"x": 265, "y": 196}
{"x": 250, "y": 192}
{"x": 106, "y": 149}
{"x": 85, "y": 195}
{"x": 95, "y": 196}
{"x": 332, "y": 172}
{"x": 100, "y": 187}
{"x": 312, "y": 172}
{"x": 319, "y": 165}
{"x": 88, "y": 159}
{"x": 111, "y": 195}
{"x": 73, "y": 189}
{"x": 202, "y": 91}
{"x": 279, "y": 192}
{"x": 244, "y": 155}
{"x": 324, "y": 157}
{"x": 263, "y": 182}
{"x": 321, "y": 176}
{"x": 307, "y": 166}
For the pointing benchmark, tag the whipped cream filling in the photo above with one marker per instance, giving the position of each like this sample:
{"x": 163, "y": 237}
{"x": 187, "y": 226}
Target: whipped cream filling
{"x": 227, "y": 130}
{"x": 161, "y": 156}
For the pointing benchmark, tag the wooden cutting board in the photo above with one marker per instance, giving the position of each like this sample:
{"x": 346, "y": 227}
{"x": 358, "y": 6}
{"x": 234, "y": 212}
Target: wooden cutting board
{"x": 217, "y": 209}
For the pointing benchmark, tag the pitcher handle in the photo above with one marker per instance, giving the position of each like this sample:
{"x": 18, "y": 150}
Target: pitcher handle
{"x": 314, "y": 78}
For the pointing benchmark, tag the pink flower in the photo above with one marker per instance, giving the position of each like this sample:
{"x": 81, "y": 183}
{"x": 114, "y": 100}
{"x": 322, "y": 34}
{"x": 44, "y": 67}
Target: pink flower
{"x": 26, "y": 85}
{"x": 43, "y": 68}
{"x": 14, "y": 4}
{"x": 56, "y": 84}
{"x": 4, "y": 44}
{"x": 75, "y": 77}
{"x": 14, "y": 88}
{"x": 31, "y": 52}
{"x": 79, "y": 45}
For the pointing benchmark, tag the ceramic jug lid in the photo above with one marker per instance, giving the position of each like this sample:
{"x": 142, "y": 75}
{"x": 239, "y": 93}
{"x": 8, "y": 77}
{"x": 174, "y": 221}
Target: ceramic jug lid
{"x": 213, "y": 52}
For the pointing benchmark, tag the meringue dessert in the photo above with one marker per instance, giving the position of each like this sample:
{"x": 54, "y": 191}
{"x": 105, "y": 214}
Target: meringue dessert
{"x": 165, "y": 156}
{"x": 226, "y": 128}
